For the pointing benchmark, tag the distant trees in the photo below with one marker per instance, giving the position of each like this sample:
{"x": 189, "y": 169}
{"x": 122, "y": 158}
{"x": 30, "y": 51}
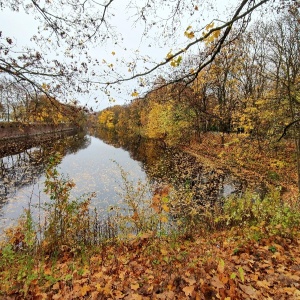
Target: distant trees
{"x": 23, "y": 105}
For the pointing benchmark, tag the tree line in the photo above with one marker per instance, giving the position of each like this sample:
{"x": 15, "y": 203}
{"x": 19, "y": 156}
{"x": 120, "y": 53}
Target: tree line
{"x": 252, "y": 86}
{"x": 18, "y": 104}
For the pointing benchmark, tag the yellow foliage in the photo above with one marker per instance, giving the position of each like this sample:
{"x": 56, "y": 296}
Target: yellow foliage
{"x": 106, "y": 118}
{"x": 209, "y": 26}
{"x": 188, "y": 33}
{"x": 169, "y": 55}
{"x": 135, "y": 94}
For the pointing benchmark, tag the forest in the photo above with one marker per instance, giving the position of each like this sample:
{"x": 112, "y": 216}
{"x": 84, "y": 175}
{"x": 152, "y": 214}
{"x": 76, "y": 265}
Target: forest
{"x": 248, "y": 95}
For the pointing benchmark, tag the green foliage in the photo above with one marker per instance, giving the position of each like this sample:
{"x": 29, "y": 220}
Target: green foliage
{"x": 140, "y": 214}
{"x": 272, "y": 249}
{"x": 68, "y": 219}
{"x": 270, "y": 214}
{"x": 273, "y": 175}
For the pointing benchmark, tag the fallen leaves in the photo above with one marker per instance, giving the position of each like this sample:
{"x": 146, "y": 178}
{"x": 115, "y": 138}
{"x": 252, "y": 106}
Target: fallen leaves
{"x": 188, "y": 290}
{"x": 162, "y": 268}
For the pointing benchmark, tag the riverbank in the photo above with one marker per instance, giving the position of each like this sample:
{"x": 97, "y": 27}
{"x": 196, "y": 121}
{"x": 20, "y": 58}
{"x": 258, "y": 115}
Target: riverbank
{"x": 260, "y": 165}
{"x": 14, "y": 130}
{"x": 15, "y": 137}
{"x": 247, "y": 250}
{"x": 225, "y": 265}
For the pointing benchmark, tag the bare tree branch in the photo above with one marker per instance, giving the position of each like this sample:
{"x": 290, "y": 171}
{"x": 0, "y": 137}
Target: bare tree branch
{"x": 227, "y": 25}
{"x": 287, "y": 127}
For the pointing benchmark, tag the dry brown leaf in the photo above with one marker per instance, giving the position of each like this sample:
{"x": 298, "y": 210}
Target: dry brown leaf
{"x": 224, "y": 278}
{"x": 57, "y": 296}
{"x": 56, "y": 286}
{"x": 217, "y": 283}
{"x": 136, "y": 297}
{"x": 254, "y": 277}
{"x": 288, "y": 290}
{"x": 248, "y": 289}
{"x": 221, "y": 266}
{"x": 95, "y": 295}
{"x": 263, "y": 284}
{"x": 188, "y": 290}
{"x": 119, "y": 295}
{"x": 190, "y": 281}
{"x": 98, "y": 274}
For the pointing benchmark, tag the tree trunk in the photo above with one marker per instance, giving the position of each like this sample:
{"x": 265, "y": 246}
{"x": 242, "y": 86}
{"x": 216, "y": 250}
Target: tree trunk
{"x": 297, "y": 143}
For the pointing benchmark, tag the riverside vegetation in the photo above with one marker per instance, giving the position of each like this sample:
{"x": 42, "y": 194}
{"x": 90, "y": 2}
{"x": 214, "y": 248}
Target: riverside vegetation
{"x": 163, "y": 246}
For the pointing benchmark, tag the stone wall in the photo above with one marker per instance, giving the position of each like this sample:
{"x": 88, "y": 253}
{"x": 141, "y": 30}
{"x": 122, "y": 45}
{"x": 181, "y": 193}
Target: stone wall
{"x": 15, "y": 130}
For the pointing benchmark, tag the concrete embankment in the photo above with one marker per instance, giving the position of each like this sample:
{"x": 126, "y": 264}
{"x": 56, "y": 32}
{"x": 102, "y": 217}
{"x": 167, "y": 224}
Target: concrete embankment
{"x": 17, "y": 137}
{"x": 14, "y": 130}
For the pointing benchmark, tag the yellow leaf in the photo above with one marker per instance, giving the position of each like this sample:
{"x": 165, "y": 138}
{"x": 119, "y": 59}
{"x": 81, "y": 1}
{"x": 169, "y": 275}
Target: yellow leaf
{"x": 105, "y": 290}
{"x": 45, "y": 87}
{"x": 135, "y": 94}
{"x": 165, "y": 207}
{"x": 84, "y": 290}
{"x": 169, "y": 55}
{"x": 163, "y": 251}
{"x": 113, "y": 53}
{"x": 209, "y": 26}
{"x": 134, "y": 286}
{"x": 221, "y": 266}
{"x": 216, "y": 34}
{"x": 164, "y": 219}
{"x": 189, "y": 34}
{"x": 119, "y": 295}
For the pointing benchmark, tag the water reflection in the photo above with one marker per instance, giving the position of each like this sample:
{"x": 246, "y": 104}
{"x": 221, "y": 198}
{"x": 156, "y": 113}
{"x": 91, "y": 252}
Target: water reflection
{"x": 25, "y": 167}
{"x": 93, "y": 166}
{"x": 165, "y": 165}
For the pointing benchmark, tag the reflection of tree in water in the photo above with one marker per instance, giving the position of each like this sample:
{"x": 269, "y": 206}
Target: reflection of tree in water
{"x": 24, "y": 168}
{"x": 172, "y": 166}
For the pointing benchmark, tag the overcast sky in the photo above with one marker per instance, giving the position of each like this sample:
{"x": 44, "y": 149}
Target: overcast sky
{"x": 22, "y": 27}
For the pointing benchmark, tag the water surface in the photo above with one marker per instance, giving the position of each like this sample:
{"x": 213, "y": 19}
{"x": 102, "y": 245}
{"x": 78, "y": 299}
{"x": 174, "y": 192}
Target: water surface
{"x": 96, "y": 167}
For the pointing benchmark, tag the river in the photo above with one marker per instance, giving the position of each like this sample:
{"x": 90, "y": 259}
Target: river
{"x": 94, "y": 163}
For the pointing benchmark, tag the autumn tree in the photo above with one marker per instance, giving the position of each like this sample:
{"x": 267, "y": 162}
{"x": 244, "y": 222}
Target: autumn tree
{"x": 106, "y": 118}
{"x": 284, "y": 44}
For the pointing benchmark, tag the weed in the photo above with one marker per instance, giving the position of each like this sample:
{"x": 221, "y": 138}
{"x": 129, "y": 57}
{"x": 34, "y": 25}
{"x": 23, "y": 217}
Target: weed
{"x": 272, "y": 249}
